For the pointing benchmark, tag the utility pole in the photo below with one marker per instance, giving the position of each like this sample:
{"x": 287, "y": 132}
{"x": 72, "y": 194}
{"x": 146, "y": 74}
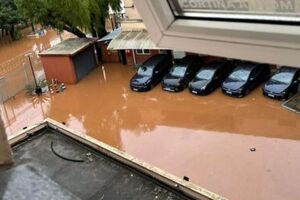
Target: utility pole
{"x": 38, "y": 90}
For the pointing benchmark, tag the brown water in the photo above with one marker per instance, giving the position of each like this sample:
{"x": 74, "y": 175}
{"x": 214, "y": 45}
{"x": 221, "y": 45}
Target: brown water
{"x": 205, "y": 138}
{"x": 12, "y": 53}
{"x": 12, "y": 49}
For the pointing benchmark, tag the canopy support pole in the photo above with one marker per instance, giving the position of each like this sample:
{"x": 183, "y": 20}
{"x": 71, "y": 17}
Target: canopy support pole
{"x": 134, "y": 57}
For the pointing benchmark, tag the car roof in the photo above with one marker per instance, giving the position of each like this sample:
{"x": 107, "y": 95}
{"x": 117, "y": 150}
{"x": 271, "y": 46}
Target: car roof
{"x": 249, "y": 66}
{"x": 288, "y": 69}
{"x": 187, "y": 60}
{"x": 214, "y": 64}
{"x": 155, "y": 60}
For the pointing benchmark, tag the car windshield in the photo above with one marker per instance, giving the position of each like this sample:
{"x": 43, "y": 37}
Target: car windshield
{"x": 206, "y": 74}
{"x": 178, "y": 71}
{"x": 240, "y": 75}
{"x": 283, "y": 77}
{"x": 145, "y": 71}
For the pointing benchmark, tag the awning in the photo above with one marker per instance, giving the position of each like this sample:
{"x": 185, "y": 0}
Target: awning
{"x": 111, "y": 35}
{"x": 132, "y": 40}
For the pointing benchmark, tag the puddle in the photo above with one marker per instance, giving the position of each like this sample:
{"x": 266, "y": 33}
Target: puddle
{"x": 208, "y": 139}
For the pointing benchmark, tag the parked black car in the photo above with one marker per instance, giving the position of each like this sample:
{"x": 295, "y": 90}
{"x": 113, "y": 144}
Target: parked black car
{"x": 210, "y": 77}
{"x": 244, "y": 78}
{"x": 182, "y": 72}
{"x": 283, "y": 84}
{"x": 151, "y": 72}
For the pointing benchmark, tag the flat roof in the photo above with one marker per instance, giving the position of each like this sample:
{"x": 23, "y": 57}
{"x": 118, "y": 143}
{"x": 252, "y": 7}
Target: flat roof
{"x": 69, "y": 47}
{"x": 39, "y": 173}
{"x": 51, "y": 162}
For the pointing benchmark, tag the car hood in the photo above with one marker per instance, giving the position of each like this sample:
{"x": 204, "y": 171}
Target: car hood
{"x": 140, "y": 80}
{"x": 275, "y": 87}
{"x": 233, "y": 85}
{"x": 198, "y": 84}
{"x": 173, "y": 81}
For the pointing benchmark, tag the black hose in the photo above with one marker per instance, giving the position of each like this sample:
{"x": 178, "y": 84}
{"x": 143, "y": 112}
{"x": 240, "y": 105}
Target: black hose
{"x": 62, "y": 157}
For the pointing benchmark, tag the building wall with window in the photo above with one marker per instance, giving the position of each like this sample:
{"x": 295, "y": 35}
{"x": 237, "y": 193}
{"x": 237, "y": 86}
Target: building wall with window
{"x": 140, "y": 56}
{"x": 143, "y": 55}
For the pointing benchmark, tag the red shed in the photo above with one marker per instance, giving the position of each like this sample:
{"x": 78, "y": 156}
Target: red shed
{"x": 70, "y": 60}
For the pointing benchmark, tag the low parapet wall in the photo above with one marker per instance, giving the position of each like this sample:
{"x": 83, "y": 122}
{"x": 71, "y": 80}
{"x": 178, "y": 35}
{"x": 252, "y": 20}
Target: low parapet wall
{"x": 185, "y": 187}
{"x": 5, "y": 152}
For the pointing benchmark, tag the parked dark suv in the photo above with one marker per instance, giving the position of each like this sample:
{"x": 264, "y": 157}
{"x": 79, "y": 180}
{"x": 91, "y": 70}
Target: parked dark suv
{"x": 245, "y": 78}
{"x": 210, "y": 77}
{"x": 182, "y": 72}
{"x": 151, "y": 72}
{"x": 283, "y": 84}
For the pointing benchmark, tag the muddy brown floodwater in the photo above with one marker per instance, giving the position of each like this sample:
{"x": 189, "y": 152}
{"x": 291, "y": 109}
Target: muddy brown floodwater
{"x": 9, "y": 50}
{"x": 209, "y": 139}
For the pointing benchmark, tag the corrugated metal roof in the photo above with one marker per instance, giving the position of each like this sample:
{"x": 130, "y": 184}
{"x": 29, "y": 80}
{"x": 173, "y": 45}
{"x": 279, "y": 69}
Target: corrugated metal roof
{"x": 111, "y": 35}
{"x": 132, "y": 40}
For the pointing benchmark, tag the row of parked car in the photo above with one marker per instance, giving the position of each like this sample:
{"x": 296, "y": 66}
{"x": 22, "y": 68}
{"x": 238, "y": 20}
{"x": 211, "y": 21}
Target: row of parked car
{"x": 236, "y": 78}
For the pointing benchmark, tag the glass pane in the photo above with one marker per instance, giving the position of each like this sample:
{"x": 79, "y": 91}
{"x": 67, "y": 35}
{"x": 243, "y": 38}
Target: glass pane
{"x": 283, "y": 77}
{"x": 145, "y": 71}
{"x": 269, "y": 10}
{"x": 178, "y": 71}
{"x": 206, "y": 74}
{"x": 240, "y": 75}
{"x": 139, "y": 51}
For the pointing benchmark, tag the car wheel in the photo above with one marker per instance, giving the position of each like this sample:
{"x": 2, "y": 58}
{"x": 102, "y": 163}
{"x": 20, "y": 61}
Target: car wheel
{"x": 247, "y": 92}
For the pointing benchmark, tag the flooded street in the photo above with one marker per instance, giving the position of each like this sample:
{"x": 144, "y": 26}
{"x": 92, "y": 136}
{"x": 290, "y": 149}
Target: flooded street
{"x": 242, "y": 149}
{"x": 10, "y": 50}
{"x": 12, "y": 53}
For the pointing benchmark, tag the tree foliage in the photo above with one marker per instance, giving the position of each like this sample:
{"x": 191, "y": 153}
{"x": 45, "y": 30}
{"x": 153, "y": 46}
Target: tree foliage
{"x": 76, "y": 16}
{"x": 9, "y": 18}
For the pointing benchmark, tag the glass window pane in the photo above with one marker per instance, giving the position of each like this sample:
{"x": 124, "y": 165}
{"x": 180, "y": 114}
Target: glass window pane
{"x": 146, "y": 51}
{"x": 139, "y": 51}
{"x": 263, "y": 10}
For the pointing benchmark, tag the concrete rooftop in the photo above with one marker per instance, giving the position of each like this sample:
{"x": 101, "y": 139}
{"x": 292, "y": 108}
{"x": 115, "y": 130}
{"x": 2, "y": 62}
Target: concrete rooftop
{"x": 40, "y": 174}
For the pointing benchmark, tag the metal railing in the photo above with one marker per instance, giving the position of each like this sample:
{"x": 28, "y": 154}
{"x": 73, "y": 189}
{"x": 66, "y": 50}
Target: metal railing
{"x": 15, "y": 74}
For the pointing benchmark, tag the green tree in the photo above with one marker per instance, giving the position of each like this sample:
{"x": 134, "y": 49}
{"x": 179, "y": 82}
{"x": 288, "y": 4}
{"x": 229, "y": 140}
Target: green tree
{"x": 75, "y": 16}
{"x": 9, "y": 18}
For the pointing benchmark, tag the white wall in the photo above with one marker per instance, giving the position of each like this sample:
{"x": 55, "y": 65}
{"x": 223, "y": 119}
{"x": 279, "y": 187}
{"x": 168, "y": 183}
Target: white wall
{"x": 5, "y": 153}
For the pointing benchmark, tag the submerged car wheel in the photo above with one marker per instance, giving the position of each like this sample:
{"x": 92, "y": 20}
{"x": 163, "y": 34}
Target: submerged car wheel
{"x": 247, "y": 92}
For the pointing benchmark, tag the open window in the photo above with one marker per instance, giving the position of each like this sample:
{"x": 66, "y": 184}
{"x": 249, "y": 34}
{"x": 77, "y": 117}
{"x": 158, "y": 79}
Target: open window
{"x": 258, "y": 30}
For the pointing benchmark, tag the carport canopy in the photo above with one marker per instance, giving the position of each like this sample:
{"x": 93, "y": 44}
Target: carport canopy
{"x": 111, "y": 35}
{"x": 132, "y": 40}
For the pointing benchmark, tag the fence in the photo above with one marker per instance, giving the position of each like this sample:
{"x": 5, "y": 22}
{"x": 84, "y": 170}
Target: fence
{"x": 16, "y": 73}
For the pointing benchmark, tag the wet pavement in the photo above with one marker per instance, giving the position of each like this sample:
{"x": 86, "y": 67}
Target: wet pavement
{"x": 239, "y": 148}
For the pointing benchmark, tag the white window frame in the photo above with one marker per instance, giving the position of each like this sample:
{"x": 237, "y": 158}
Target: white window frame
{"x": 143, "y": 52}
{"x": 267, "y": 43}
